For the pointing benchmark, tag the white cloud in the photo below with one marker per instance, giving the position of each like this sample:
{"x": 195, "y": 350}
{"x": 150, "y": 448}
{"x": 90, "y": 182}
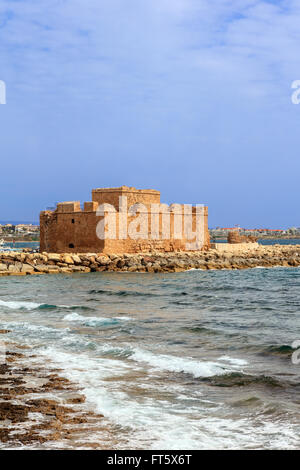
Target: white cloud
{"x": 206, "y": 82}
{"x": 115, "y": 43}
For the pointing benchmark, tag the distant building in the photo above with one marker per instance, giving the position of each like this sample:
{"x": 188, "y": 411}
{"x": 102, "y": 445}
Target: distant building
{"x": 26, "y": 228}
{"x": 256, "y": 232}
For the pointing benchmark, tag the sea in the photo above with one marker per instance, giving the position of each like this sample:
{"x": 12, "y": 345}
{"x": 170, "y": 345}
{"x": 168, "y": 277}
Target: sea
{"x": 189, "y": 360}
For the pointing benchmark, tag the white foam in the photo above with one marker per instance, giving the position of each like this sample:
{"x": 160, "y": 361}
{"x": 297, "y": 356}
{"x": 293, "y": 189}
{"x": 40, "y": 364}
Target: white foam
{"x": 180, "y": 364}
{"x": 25, "y": 326}
{"x": 233, "y": 360}
{"x": 145, "y": 421}
{"x": 148, "y": 422}
{"x": 16, "y": 305}
{"x": 194, "y": 269}
{"x": 93, "y": 321}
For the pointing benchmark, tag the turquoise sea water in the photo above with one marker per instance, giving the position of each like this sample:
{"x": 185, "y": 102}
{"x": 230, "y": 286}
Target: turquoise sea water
{"x": 282, "y": 241}
{"x": 192, "y": 360}
{"x": 20, "y": 245}
{"x": 35, "y": 245}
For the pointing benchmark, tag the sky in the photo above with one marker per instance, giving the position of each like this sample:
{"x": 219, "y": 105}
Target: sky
{"x": 191, "y": 97}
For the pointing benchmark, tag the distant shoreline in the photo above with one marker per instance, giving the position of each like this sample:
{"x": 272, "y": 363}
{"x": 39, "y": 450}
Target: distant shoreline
{"x": 290, "y": 237}
{"x": 20, "y": 241}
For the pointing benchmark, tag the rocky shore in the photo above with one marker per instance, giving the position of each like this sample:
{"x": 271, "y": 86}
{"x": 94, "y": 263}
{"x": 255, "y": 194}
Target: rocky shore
{"x": 18, "y": 264}
{"x": 39, "y": 408}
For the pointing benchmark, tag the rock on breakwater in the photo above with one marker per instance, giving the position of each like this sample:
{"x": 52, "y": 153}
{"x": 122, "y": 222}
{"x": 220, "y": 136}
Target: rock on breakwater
{"x": 14, "y": 263}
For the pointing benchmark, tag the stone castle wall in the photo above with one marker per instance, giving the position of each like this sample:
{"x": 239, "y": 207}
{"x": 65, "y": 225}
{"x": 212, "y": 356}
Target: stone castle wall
{"x": 71, "y": 229}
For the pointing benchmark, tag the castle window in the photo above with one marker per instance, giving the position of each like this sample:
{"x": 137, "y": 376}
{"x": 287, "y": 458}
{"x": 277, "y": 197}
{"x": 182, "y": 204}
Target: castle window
{"x": 73, "y": 221}
{"x": 71, "y": 245}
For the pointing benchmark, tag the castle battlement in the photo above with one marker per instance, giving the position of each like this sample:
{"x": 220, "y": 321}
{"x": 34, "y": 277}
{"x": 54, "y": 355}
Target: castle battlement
{"x": 69, "y": 228}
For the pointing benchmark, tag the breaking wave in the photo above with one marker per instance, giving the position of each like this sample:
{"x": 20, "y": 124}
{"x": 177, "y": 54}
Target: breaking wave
{"x": 179, "y": 364}
{"x": 16, "y": 305}
{"x": 94, "y": 321}
{"x": 24, "y": 305}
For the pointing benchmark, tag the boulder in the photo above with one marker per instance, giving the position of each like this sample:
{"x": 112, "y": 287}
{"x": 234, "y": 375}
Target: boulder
{"x": 12, "y": 268}
{"x": 103, "y": 260}
{"x": 54, "y": 257}
{"x": 76, "y": 259}
{"x": 27, "y": 268}
{"x": 68, "y": 259}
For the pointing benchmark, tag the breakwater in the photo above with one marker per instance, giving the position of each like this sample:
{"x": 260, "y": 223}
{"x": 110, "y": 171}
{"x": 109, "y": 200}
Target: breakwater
{"x": 233, "y": 257}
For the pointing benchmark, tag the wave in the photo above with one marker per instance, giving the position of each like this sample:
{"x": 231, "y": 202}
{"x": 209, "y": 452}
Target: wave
{"x": 24, "y": 305}
{"x": 283, "y": 350}
{"x": 179, "y": 364}
{"x": 16, "y": 305}
{"x": 94, "y": 321}
{"x": 40, "y": 336}
{"x": 194, "y": 269}
{"x": 233, "y": 360}
{"x": 180, "y": 302}
{"x": 279, "y": 350}
{"x": 238, "y": 379}
{"x": 123, "y": 293}
{"x": 65, "y": 307}
{"x": 170, "y": 363}
{"x": 156, "y": 421}
{"x": 252, "y": 401}
{"x": 146, "y": 420}
{"x": 201, "y": 330}
{"x": 230, "y": 288}
{"x": 25, "y": 328}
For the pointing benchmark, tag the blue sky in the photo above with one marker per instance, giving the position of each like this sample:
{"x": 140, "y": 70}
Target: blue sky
{"x": 191, "y": 97}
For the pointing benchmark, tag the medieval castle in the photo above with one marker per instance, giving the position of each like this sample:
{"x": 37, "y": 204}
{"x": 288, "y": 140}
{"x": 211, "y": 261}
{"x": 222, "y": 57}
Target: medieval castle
{"x": 103, "y": 225}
